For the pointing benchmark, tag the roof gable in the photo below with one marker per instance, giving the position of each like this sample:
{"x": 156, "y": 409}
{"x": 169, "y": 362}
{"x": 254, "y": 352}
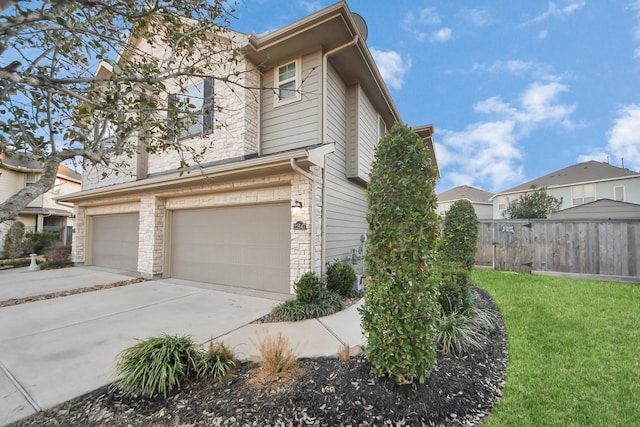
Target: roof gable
{"x": 585, "y": 172}
{"x": 472, "y": 194}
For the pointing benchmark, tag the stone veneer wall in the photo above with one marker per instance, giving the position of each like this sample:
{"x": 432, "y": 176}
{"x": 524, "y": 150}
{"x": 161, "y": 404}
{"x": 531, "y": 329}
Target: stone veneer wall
{"x": 155, "y": 208}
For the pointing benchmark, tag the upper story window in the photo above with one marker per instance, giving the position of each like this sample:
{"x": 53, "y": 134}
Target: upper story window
{"x": 382, "y": 128}
{"x": 31, "y": 179}
{"x": 191, "y": 112}
{"x": 287, "y": 83}
{"x": 619, "y": 193}
{"x": 582, "y": 194}
{"x": 503, "y": 202}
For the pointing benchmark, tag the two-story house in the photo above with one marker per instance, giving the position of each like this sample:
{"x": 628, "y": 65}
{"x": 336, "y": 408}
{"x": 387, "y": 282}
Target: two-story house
{"x": 43, "y": 213}
{"x": 479, "y": 199}
{"x": 577, "y": 185}
{"x": 280, "y": 192}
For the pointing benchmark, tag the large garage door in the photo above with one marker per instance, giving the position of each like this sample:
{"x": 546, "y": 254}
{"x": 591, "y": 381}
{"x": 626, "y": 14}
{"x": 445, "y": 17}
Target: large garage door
{"x": 240, "y": 246}
{"x": 115, "y": 241}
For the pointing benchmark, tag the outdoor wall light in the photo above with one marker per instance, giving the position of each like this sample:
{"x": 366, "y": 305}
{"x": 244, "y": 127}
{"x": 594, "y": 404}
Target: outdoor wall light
{"x": 296, "y": 207}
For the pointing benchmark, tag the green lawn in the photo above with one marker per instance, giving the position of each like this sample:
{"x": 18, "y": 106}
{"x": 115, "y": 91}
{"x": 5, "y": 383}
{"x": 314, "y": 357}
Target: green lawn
{"x": 574, "y": 350}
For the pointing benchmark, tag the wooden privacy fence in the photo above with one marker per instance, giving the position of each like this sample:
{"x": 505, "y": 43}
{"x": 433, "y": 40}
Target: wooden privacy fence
{"x": 606, "y": 246}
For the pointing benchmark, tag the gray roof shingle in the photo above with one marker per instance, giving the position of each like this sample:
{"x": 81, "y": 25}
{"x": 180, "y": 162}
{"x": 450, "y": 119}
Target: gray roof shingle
{"x": 465, "y": 192}
{"x": 584, "y": 172}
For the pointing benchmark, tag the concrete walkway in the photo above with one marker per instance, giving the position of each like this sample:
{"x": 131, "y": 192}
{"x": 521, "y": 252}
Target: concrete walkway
{"x": 58, "y": 349}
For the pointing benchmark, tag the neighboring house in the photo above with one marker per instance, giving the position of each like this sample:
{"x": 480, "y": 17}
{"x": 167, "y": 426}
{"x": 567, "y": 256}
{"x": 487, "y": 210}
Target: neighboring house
{"x": 480, "y": 200}
{"x": 281, "y": 192}
{"x": 577, "y": 185}
{"x": 43, "y": 213}
{"x": 600, "y": 209}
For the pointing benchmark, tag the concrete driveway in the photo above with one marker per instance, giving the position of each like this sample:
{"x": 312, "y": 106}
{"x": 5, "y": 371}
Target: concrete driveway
{"x": 57, "y": 349}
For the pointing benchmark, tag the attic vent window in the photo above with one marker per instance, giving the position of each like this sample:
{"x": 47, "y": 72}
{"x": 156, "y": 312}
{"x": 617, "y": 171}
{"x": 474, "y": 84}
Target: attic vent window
{"x": 287, "y": 78}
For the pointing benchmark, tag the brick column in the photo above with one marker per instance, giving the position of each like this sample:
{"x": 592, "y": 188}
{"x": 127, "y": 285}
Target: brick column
{"x": 151, "y": 236}
{"x": 78, "y": 240}
{"x": 300, "y": 258}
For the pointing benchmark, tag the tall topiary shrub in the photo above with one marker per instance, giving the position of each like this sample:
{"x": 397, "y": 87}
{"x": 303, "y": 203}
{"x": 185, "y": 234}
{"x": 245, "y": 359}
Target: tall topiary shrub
{"x": 400, "y": 311}
{"x": 460, "y": 234}
{"x": 13, "y": 246}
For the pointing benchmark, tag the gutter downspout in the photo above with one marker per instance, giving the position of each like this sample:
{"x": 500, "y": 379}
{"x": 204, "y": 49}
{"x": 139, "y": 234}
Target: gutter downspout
{"x": 323, "y": 138}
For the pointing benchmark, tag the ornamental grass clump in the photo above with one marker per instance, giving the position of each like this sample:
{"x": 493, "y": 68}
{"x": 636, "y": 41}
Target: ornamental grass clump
{"x": 463, "y": 329}
{"x": 401, "y": 311}
{"x": 312, "y": 300}
{"x": 158, "y": 364}
{"x": 216, "y": 361}
{"x": 276, "y": 354}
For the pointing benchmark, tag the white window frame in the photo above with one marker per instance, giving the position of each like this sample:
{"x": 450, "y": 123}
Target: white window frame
{"x": 30, "y": 179}
{"x": 295, "y": 79}
{"x": 382, "y": 128}
{"x": 204, "y": 110}
{"x": 615, "y": 191}
{"x": 578, "y": 193}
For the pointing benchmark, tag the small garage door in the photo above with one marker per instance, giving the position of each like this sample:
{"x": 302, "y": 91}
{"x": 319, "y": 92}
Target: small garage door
{"x": 240, "y": 246}
{"x": 115, "y": 241}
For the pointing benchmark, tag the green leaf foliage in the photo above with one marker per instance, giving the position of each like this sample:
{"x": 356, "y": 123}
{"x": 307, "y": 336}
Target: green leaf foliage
{"x": 460, "y": 234}
{"x": 309, "y": 288}
{"x": 400, "y": 312}
{"x": 454, "y": 287}
{"x": 535, "y": 204}
{"x": 39, "y": 241}
{"x": 340, "y": 278}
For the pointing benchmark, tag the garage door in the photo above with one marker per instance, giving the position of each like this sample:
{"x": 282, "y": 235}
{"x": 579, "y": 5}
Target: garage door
{"x": 240, "y": 246}
{"x": 115, "y": 241}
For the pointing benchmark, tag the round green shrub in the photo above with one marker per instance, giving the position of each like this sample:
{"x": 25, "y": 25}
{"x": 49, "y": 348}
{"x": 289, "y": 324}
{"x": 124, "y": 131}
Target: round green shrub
{"x": 309, "y": 288}
{"x": 460, "y": 234}
{"x": 340, "y": 278}
{"x": 401, "y": 311}
{"x": 455, "y": 294}
{"x": 36, "y": 242}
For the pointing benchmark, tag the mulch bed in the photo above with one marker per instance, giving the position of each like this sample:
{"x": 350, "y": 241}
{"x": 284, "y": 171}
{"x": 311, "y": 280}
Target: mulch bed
{"x": 320, "y": 392}
{"x": 17, "y": 301}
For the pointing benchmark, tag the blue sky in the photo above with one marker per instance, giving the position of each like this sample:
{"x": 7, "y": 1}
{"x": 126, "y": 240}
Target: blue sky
{"x": 514, "y": 89}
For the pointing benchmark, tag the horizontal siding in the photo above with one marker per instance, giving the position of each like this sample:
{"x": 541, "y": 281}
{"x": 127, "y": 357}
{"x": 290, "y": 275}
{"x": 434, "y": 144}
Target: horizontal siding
{"x": 296, "y": 124}
{"x": 10, "y": 183}
{"x": 368, "y": 135}
{"x": 346, "y": 202}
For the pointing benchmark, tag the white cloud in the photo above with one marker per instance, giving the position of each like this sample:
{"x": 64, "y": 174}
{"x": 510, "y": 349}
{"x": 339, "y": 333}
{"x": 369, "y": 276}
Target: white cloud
{"x": 553, "y": 10}
{"x": 476, "y": 17}
{"x": 623, "y": 140}
{"x": 624, "y": 136}
{"x": 486, "y": 153}
{"x": 442, "y": 35}
{"x": 415, "y": 22}
{"x": 543, "y": 34}
{"x": 596, "y": 154}
{"x": 392, "y": 66}
{"x": 635, "y": 7}
{"x": 518, "y": 67}
{"x": 483, "y": 154}
{"x": 310, "y": 6}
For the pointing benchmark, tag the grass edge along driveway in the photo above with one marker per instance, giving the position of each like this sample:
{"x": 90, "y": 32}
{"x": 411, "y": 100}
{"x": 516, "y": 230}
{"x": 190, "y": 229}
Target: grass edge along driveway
{"x": 574, "y": 350}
